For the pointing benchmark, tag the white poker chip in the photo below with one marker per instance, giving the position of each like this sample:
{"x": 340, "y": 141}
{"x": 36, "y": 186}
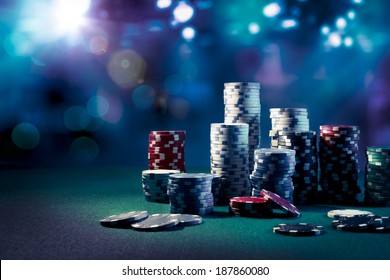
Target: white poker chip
{"x": 347, "y": 213}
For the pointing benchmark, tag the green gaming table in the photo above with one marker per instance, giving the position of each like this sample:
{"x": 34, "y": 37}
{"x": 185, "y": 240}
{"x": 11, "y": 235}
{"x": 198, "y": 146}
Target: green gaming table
{"x": 55, "y": 213}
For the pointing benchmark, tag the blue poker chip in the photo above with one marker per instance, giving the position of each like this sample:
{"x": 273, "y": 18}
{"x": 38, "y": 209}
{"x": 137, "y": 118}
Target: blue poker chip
{"x": 299, "y": 229}
{"x": 187, "y": 219}
{"x": 356, "y": 223}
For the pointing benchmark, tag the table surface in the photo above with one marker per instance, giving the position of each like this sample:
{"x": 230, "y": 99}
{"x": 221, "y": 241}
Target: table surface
{"x": 55, "y": 213}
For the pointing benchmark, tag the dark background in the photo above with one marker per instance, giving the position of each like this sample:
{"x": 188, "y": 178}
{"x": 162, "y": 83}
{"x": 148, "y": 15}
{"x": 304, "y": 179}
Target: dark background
{"x": 89, "y": 95}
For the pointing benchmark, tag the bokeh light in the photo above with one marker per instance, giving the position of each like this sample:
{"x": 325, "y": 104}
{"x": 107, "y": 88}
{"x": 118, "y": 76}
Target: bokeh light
{"x": 341, "y": 23}
{"x": 98, "y": 106}
{"x": 98, "y": 44}
{"x": 188, "y": 33}
{"x": 126, "y": 68}
{"x": 334, "y": 39}
{"x": 289, "y": 23}
{"x": 254, "y": 28}
{"x": 183, "y": 12}
{"x": 26, "y": 136}
{"x": 163, "y": 4}
{"x": 348, "y": 42}
{"x": 144, "y": 96}
{"x": 76, "y": 118}
{"x": 272, "y": 9}
{"x": 84, "y": 149}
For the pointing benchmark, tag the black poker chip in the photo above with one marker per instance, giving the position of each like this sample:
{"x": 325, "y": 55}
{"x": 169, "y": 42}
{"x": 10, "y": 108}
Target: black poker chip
{"x": 357, "y": 223}
{"x": 299, "y": 229}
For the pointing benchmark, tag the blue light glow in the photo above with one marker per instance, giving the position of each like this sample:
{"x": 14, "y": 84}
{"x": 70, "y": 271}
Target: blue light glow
{"x": 26, "y": 136}
{"x": 341, "y": 23}
{"x": 325, "y": 30}
{"x": 351, "y": 14}
{"x": 272, "y": 10}
{"x": 183, "y": 12}
{"x": 348, "y": 42}
{"x": 334, "y": 39}
{"x": 188, "y": 33}
{"x": 163, "y": 4}
{"x": 254, "y": 28}
{"x": 289, "y": 23}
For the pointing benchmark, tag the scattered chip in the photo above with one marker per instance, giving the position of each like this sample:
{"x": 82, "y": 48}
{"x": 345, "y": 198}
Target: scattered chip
{"x": 124, "y": 219}
{"x": 300, "y": 229}
{"x": 334, "y": 214}
{"x": 357, "y": 223}
{"x": 188, "y": 219}
{"x": 156, "y": 222}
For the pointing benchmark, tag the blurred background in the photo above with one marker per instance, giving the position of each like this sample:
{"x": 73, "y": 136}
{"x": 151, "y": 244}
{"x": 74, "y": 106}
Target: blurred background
{"x": 82, "y": 82}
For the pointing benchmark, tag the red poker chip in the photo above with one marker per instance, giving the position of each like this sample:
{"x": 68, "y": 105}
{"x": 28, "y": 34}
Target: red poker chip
{"x": 167, "y": 132}
{"x": 166, "y": 155}
{"x": 336, "y": 128}
{"x": 168, "y": 136}
{"x": 168, "y": 146}
{"x": 248, "y": 199}
{"x": 166, "y": 150}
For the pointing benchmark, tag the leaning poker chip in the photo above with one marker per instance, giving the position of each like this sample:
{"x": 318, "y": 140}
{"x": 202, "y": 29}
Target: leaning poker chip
{"x": 124, "y": 218}
{"x": 334, "y": 214}
{"x": 280, "y": 202}
{"x": 356, "y": 223}
{"x": 299, "y": 229}
{"x": 156, "y": 222}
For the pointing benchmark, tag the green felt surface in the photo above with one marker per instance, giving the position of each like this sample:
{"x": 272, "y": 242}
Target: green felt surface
{"x": 55, "y": 213}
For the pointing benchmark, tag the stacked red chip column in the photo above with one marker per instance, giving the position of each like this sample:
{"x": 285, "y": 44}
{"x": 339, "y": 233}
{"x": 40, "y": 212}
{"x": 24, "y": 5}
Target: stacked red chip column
{"x": 166, "y": 150}
{"x": 339, "y": 167}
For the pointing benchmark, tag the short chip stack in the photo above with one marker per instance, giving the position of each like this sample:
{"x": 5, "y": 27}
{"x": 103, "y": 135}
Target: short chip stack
{"x": 273, "y": 171}
{"x": 154, "y": 184}
{"x": 166, "y": 150}
{"x": 190, "y": 193}
{"x": 377, "y": 183}
{"x": 242, "y": 105}
{"x": 289, "y": 119}
{"x": 339, "y": 163}
{"x": 249, "y": 206}
{"x": 305, "y": 177}
{"x": 229, "y": 157}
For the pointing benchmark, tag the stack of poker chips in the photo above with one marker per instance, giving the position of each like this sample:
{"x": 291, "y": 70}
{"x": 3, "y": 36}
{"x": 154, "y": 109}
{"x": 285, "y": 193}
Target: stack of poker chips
{"x": 289, "y": 119}
{"x": 218, "y": 190}
{"x": 377, "y": 183}
{"x": 242, "y": 105}
{"x": 190, "y": 193}
{"x": 305, "y": 178}
{"x": 249, "y": 206}
{"x": 166, "y": 150}
{"x": 273, "y": 171}
{"x": 229, "y": 157}
{"x": 339, "y": 167}
{"x": 154, "y": 184}
{"x": 290, "y": 130}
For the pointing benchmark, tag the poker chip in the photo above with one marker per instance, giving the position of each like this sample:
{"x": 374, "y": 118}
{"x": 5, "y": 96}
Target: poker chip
{"x": 187, "y": 219}
{"x": 338, "y": 162}
{"x": 166, "y": 150}
{"x": 334, "y": 214}
{"x": 377, "y": 179}
{"x": 156, "y": 222}
{"x": 280, "y": 203}
{"x": 299, "y": 229}
{"x": 383, "y": 227}
{"x": 154, "y": 184}
{"x": 357, "y": 223}
{"x": 273, "y": 170}
{"x": 249, "y": 206}
{"x": 124, "y": 219}
{"x": 230, "y": 158}
{"x": 191, "y": 193}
